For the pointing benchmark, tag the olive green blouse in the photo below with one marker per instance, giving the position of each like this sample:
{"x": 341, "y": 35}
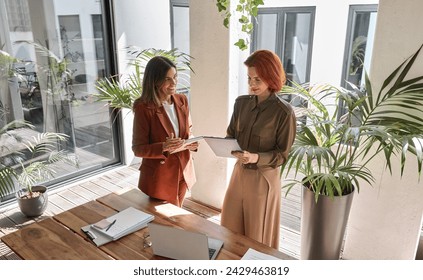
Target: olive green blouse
{"x": 267, "y": 128}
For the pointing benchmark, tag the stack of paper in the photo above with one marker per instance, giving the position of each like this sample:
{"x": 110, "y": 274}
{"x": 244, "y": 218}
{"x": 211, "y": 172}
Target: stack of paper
{"x": 117, "y": 225}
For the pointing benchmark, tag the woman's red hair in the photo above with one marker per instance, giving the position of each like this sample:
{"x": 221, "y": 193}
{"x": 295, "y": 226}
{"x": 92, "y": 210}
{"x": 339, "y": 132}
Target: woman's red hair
{"x": 268, "y": 67}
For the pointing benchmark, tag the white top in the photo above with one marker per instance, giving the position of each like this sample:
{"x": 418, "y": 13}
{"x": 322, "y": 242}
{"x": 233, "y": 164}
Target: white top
{"x": 170, "y": 110}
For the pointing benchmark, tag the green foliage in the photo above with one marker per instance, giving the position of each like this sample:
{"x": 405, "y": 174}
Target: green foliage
{"x": 358, "y": 50}
{"x": 247, "y": 10}
{"x": 6, "y": 65}
{"x": 7, "y": 175}
{"x": 43, "y": 159}
{"x": 121, "y": 92}
{"x": 36, "y": 162}
{"x": 332, "y": 154}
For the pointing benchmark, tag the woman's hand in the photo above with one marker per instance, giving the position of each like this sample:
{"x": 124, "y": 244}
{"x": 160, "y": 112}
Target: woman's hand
{"x": 172, "y": 143}
{"x": 246, "y": 157}
{"x": 192, "y": 146}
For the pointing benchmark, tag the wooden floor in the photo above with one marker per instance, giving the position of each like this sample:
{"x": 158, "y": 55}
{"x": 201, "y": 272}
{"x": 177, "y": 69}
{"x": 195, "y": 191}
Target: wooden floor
{"x": 121, "y": 179}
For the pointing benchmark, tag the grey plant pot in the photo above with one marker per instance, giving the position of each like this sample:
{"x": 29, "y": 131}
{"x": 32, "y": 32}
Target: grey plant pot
{"x": 36, "y": 206}
{"x": 323, "y": 225}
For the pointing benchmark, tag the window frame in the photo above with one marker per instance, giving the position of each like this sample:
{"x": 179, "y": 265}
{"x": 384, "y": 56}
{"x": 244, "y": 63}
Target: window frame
{"x": 172, "y": 4}
{"x": 353, "y": 9}
{"x": 281, "y": 13}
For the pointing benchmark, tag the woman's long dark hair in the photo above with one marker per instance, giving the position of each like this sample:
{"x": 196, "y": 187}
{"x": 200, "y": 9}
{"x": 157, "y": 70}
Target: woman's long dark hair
{"x": 154, "y": 77}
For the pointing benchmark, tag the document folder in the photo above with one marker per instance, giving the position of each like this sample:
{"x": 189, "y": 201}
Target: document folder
{"x": 222, "y": 147}
{"x": 117, "y": 225}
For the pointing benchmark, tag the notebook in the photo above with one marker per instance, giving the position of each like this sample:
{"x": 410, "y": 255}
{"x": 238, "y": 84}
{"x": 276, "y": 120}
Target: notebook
{"x": 179, "y": 244}
{"x": 118, "y": 225}
{"x": 123, "y": 222}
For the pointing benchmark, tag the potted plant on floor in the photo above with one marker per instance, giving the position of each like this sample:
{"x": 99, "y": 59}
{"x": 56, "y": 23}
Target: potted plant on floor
{"x": 44, "y": 159}
{"x": 332, "y": 151}
{"x": 28, "y": 163}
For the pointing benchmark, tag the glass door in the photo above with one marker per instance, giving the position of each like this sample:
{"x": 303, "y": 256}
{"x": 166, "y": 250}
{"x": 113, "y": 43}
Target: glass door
{"x": 58, "y": 51}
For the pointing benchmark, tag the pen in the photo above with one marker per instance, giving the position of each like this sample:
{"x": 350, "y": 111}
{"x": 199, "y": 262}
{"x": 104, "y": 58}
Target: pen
{"x": 109, "y": 226}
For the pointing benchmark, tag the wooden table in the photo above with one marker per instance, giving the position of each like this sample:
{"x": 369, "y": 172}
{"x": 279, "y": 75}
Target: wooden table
{"x": 60, "y": 237}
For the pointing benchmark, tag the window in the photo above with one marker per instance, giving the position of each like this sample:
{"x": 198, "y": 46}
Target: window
{"x": 17, "y": 13}
{"x": 180, "y": 38}
{"x": 98, "y": 37}
{"x": 359, "y": 43}
{"x": 359, "y": 46}
{"x": 288, "y": 32}
{"x": 61, "y": 52}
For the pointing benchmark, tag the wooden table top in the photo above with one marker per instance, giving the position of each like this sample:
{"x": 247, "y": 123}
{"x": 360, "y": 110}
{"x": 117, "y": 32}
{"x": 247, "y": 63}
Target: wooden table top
{"x": 60, "y": 237}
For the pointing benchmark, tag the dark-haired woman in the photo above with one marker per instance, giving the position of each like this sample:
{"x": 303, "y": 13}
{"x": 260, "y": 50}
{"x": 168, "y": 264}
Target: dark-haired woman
{"x": 161, "y": 123}
{"x": 264, "y": 126}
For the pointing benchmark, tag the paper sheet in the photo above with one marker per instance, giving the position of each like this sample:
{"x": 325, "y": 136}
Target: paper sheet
{"x": 222, "y": 147}
{"x": 252, "y": 254}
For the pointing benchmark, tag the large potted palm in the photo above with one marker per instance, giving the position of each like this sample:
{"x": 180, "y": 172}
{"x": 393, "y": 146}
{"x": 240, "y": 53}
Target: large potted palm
{"x": 335, "y": 144}
{"x": 44, "y": 159}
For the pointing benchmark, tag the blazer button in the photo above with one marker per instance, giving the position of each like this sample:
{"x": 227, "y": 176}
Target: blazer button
{"x": 162, "y": 162}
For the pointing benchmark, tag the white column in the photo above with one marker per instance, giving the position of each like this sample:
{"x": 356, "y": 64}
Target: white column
{"x": 214, "y": 87}
{"x": 386, "y": 218}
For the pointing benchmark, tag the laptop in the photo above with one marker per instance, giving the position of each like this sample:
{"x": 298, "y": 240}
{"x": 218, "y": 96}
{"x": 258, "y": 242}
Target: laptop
{"x": 179, "y": 244}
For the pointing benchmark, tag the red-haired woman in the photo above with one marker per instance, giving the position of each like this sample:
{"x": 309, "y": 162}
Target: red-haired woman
{"x": 264, "y": 126}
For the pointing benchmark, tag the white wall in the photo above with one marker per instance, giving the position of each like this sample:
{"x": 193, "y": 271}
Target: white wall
{"x": 210, "y": 110}
{"x": 386, "y": 218}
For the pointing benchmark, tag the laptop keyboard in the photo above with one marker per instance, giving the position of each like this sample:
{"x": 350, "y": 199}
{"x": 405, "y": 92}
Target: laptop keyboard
{"x": 211, "y": 252}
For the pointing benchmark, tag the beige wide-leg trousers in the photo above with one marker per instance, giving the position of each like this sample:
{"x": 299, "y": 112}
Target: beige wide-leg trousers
{"x": 252, "y": 204}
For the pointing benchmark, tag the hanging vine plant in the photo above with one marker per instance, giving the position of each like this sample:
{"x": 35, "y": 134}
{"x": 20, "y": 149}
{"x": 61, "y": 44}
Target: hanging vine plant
{"x": 248, "y": 10}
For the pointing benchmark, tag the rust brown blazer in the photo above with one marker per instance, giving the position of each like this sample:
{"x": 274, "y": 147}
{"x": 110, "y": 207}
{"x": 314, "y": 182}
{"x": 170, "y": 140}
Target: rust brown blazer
{"x": 160, "y": 171}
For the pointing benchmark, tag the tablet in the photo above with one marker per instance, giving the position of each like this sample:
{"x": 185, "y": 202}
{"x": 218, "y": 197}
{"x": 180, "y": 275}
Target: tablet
{"x": 222, "y": 147}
